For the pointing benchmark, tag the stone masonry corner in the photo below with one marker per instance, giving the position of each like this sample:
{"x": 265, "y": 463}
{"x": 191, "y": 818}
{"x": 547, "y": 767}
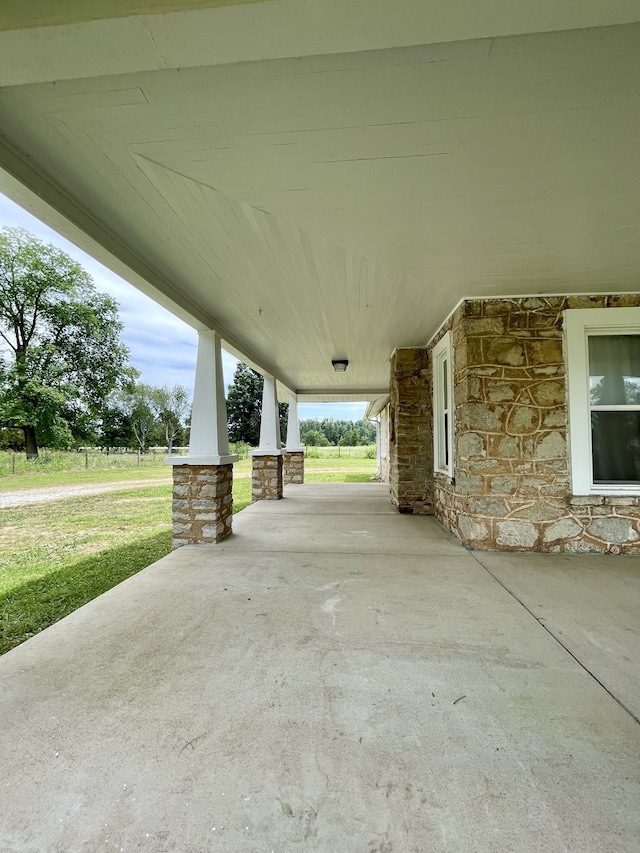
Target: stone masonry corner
{"x": 410, "y": 432}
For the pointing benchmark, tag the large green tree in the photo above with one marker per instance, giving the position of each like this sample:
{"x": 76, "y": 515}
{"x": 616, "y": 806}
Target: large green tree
{"x": 143, "y": 414}
{"x": 315, "y": 438}
{"x": 60, "y": 349}
{"x": 137, "y": 404}
{"x": 116, "y": 428}
{"x": 171, "y": 407}
{"x": 244, "y": 407}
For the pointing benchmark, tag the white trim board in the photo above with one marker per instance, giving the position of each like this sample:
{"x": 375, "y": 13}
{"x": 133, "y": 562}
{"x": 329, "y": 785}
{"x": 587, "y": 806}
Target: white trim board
{"x": 579, "y": 323}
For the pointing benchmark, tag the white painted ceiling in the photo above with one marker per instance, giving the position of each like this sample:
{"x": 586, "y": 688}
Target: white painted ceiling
{"x": 339, "y": 205}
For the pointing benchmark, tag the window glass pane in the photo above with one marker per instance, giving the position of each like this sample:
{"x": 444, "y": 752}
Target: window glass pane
{"x": 445, "y": 390}
{"x": 614, "y": 370}
{"x": 445, "y": 437}
{"x": 616, "y": 447}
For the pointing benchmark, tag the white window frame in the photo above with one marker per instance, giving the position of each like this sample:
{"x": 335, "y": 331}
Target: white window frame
{"x": 442, "y": 358}
{"x": 579, "y": 325}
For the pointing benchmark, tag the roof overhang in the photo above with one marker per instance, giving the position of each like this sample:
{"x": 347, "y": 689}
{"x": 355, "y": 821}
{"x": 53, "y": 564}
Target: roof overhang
{"x": 376, "y": 406}
{"x": 326, "y": 179}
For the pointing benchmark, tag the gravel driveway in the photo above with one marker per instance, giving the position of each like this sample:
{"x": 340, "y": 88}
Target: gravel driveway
{"x": 56, "y": 493}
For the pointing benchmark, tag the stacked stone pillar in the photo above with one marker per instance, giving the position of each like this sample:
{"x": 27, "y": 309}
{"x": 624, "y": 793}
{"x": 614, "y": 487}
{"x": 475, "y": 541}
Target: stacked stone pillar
{"x": 203, "y": 480}
{"x": 267, "y": 479}
{"x": 293, "y": 467}
{"x": 202, "y": 503}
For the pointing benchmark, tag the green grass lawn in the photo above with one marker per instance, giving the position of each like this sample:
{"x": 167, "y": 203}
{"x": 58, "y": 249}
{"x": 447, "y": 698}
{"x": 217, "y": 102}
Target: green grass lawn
{"x": 56, "y": 469}
{"x": 57, "y": 556}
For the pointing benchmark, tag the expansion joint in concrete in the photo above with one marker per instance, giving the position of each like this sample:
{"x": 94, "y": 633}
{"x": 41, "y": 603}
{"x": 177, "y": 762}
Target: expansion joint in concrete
{"x": 541, "y": 622}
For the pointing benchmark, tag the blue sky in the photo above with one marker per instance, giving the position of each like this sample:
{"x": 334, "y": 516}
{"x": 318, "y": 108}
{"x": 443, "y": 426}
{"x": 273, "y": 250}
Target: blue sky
{"x": 148, "y": 326}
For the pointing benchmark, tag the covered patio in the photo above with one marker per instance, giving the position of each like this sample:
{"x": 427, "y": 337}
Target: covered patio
{"x": 334, "y": 676}
{"x": 442, "y": 198}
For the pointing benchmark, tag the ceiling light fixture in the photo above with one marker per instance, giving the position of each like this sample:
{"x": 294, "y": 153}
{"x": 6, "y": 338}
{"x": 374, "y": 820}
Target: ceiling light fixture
{"x": 339, "y": 364}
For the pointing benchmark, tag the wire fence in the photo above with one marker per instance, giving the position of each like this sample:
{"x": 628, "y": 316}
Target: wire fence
{"x": 96, "y": 459}
{"x": 89, "y": 459}
{"x": 364, "y": 451}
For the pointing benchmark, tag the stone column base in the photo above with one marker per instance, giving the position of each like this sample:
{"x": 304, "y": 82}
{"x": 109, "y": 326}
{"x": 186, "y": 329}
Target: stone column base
{"x": 202, "y": 504}
{"x": 293, "y": 466}
{"x": 266, "y": 483}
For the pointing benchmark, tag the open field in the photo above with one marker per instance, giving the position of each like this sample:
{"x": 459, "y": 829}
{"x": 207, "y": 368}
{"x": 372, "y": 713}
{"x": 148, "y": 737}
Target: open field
{"x": 58, "y": 461}
{"x": 56, "y": 468}
{"x": 57, "y": 556}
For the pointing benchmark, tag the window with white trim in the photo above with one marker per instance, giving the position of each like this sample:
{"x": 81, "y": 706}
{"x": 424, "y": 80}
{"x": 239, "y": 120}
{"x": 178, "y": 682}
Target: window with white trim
{"x": 603, "y": 376}
{"x": 442, "y": 358}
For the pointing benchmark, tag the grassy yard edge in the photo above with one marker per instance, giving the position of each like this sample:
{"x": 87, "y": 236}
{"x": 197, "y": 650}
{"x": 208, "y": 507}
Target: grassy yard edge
{"x": 29, "y": 607}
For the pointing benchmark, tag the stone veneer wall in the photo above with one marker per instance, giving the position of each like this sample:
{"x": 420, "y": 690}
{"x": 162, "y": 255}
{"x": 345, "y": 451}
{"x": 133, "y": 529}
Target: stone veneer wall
{"x": 511, "y": 489}
{"x": 202, "y": 503}
{"x": 266, "y": 478}
{"x": 410, "y": 432}
{"x": 293, "y": 467}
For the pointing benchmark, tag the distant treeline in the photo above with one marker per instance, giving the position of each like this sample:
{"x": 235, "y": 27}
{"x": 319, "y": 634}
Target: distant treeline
{"x": 328, "y": 431}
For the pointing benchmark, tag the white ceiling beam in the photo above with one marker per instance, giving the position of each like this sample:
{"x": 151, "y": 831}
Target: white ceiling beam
{"x": 18, "y": 15}
{"x": 281, "y": 29}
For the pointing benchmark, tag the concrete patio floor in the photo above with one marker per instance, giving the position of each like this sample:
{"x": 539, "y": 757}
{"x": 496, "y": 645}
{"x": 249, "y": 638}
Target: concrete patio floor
{"x": 335, "y": 677}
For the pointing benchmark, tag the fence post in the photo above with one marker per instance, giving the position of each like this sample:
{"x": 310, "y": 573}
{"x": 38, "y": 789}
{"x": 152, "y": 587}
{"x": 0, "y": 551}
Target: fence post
{"x": 13, "y": 463}
{"x": 138, "y": 457}
{"x": 86, "y": 458}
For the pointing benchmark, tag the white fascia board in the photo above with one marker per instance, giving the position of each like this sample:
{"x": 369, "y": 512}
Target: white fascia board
{"x": 280, "y": 29}
{"x": 375, "y": 407}
{"x": 334, "y": 395}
